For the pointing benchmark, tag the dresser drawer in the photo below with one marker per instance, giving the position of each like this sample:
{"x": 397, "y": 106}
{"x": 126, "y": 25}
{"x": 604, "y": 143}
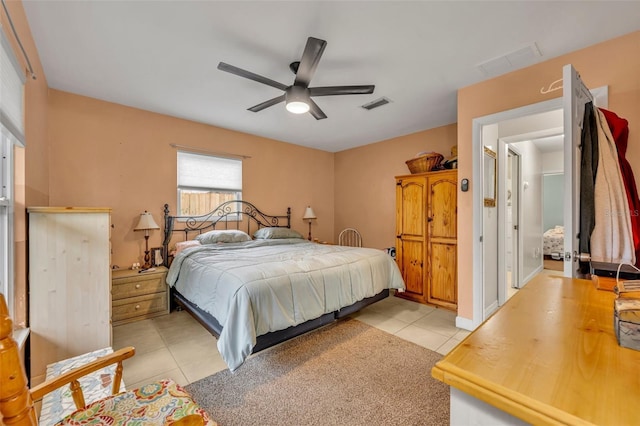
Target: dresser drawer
{"x": 145, "y": 306}
{"x": 138, "y": 285}
{"x": 138, "y": 295}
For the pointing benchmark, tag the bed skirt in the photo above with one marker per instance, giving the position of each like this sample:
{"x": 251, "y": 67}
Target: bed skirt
{"x": 273, "y": 338}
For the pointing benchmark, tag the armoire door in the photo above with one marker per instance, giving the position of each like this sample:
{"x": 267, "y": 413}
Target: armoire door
{"x": 442, "y": 240}
{"x": 411, "y": 234}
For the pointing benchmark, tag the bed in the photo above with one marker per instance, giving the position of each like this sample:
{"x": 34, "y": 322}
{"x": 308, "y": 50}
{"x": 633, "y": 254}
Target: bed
{"x": 264, "y": 283}
{"x": 553, "y": 242}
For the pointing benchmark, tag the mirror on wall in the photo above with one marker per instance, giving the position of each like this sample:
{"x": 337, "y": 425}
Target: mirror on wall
{"x": 490, "y": 184}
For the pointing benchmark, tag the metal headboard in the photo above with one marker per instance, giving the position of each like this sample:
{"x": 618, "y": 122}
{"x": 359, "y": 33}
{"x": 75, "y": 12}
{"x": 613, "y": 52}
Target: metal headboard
{"x": 233, "y": 213}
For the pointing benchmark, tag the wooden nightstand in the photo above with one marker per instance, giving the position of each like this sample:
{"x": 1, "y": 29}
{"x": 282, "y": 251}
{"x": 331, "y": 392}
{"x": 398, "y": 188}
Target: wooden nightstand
{"x": 138, "y": 295}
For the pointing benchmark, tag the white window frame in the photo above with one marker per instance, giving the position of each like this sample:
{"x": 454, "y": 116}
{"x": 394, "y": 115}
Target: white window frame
{"x": 11, "y": 134}
{"x": 210, "y": 184}
{"x": 6, "y": 221}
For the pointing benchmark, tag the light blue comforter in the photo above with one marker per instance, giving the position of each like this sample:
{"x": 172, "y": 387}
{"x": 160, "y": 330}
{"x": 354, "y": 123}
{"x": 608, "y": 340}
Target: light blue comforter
{"x": 260, "y": 286}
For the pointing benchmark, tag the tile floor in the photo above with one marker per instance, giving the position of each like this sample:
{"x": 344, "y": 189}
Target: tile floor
{"x": 175, "y": 346}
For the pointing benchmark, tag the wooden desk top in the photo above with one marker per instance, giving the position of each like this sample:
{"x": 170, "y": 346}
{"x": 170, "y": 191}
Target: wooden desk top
{"x": 550, "y": 356}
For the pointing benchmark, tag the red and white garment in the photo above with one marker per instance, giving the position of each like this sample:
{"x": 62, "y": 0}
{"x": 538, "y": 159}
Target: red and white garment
{"x": 612, "y": 236}
{"x": 620, "y": 131}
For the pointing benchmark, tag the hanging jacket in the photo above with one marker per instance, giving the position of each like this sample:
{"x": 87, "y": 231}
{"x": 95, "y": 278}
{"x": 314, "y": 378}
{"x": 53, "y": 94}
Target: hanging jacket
{"x": 588, "y": 169}
{"x": 620, "y": 132}
{"x": 612, "y": 238}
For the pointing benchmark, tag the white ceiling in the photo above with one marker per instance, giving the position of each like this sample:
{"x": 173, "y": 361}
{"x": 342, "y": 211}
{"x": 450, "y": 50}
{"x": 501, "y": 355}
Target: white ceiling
{"x": 162, "y": 56}
{"x": 550, "y": 144}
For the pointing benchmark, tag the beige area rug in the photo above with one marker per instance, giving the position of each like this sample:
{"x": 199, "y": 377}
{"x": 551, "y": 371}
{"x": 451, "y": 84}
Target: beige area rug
{"x": 346, "y": 373}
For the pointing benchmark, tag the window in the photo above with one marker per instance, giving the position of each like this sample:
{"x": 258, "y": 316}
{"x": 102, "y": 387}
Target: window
{"x": 6, "y": 214}
{"x": 11, "y": 132}
{"x": 206, "y": 181}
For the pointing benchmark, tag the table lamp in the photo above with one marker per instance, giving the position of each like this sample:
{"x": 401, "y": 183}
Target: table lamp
{"x": 309, "y": 215}
{"x": 146, "y": 223}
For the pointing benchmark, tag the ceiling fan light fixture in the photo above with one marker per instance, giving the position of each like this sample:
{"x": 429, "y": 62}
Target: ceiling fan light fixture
{"x": 298, "y": 96}
{"x": 297, "y": 107}
{"x": 297, "y": 100}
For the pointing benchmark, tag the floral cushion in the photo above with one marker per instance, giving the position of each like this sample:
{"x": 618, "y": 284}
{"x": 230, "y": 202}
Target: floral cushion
{"x": 95, "y": 386}
{"x": 157, "y": 403}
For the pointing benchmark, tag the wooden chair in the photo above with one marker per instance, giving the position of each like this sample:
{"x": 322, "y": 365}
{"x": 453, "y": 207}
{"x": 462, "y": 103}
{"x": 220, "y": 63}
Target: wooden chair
{"x": 350, "y": 237}
{"x": 16, "y": 399}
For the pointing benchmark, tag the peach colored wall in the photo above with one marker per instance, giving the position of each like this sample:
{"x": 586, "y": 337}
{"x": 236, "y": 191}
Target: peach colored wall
{"x": 365, "y": 184}
{"x": 615, "y": 63}
{"x": 31, "y": 163}
{"x": 105, "y": 154}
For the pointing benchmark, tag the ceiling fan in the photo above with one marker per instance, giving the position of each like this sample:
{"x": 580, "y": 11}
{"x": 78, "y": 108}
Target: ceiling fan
{"x": 297, "y": 97}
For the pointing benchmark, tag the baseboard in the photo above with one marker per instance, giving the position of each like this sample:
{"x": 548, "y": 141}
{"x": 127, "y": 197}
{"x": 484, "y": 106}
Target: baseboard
{"x": 465, "y": 323}
{"x": 488, "y": 311}
{"x": 531, "y": 275}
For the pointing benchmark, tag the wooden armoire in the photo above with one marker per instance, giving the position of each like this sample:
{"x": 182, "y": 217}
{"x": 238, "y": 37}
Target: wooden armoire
{"x": 426, "y": 237}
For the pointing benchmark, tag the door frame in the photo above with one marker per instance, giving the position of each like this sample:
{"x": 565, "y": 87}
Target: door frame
{"x": 478, "y": 202}
{"x": 600, "y": 93}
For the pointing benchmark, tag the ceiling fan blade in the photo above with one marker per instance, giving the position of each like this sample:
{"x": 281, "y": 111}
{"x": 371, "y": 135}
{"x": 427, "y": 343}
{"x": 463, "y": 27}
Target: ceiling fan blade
{"x": 309, "y": 62}
{"x": 267, "y": 104}
{"x": 251, "y": 76}
{"x": 315, "y": 110}
{"x": 341, "y": 90}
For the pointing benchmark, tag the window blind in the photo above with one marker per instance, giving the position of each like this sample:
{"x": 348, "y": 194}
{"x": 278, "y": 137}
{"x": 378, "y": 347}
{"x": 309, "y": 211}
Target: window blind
{"x": 209, "y": 172}
{"x": 11, "y": 93}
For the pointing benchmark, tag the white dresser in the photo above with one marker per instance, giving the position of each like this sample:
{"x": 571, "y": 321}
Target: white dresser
{"x": 69, "y": 283}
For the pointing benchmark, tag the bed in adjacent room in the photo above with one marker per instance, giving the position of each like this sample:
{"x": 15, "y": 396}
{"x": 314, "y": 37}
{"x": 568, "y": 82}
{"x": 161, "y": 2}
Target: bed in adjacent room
{"x": 553, "y": 242}
{"x": 255, "y": 288}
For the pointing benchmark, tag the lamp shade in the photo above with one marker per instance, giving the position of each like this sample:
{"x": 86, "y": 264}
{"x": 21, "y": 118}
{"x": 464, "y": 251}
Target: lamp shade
{"x": 309, "y": 214}
{"x": 146, "y": 222}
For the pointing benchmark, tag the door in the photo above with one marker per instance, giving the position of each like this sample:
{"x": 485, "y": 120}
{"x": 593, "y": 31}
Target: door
{"x": 442, "y": 239}
{"x": 411, "y": 201}
{"x": 512, "y": 258}
{"x": 574, "y": 97}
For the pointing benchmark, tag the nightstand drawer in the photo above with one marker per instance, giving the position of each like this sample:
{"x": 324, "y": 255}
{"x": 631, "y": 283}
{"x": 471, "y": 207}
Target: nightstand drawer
{"x": 139, "y": 307}
{"x": 138, "y": 295}
{"x": 137, "y": 286}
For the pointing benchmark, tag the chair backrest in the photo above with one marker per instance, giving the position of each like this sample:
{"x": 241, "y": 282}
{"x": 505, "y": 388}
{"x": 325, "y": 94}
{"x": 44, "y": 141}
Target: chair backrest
{"x": 16, "y": 399}
{"x": 16, "y": 405}
{"x": 350, "y": 237}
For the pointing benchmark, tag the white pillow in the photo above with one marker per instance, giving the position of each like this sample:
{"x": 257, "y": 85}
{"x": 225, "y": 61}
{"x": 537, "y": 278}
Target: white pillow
{"x": 223, "y": 236}
{"x": 185, "y": 244}
{"x": 276, "y": 232}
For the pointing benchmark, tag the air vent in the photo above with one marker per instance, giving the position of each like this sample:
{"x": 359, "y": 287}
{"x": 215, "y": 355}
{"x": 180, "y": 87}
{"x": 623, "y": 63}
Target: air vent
{"x": 511, "y": 61}
{"x": 376, "y": 103}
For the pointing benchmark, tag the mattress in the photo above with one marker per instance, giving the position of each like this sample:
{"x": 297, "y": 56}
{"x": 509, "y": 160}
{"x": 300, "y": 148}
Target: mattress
{"x": 260, "y": 286}
{"x": 553, "y": 241}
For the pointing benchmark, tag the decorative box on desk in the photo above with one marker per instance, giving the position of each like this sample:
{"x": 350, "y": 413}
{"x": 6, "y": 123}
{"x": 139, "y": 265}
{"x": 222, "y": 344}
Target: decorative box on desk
{"x": 627, "y": 322}
{"x": 138, "y": 295}
{"x": 627, "y": 314}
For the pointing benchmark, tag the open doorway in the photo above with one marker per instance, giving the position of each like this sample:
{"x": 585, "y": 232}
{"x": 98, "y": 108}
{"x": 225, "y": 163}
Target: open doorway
{"x": 487, "y": 294}
{"x": 553, "y": 220}
{"x": 528, "y": 143}
{"x": 512, "y": 235}
{"x": 525, "y": 130}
